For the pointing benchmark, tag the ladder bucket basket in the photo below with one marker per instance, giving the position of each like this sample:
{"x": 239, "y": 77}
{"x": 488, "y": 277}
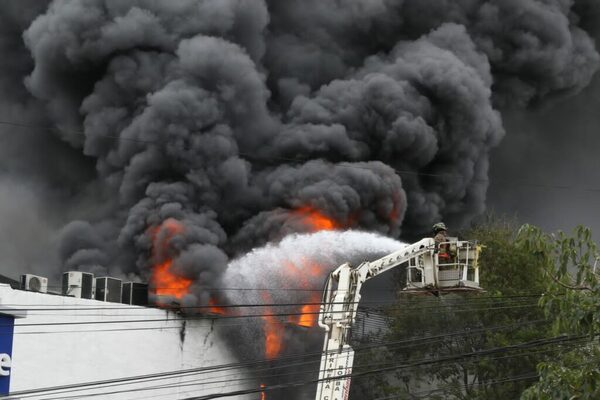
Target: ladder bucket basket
{"x": 452, "y": 268}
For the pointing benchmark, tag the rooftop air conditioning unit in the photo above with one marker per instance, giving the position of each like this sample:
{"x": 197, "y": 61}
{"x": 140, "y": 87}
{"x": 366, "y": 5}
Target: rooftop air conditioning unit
{"x": 135, "y": 294}
{"x": 108, "y": 289}
{"x": 34, "y": 283}
{"x": 78, "y": 284}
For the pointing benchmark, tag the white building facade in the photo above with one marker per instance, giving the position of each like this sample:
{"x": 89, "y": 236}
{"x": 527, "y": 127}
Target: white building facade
{"x": 54, "y": 346}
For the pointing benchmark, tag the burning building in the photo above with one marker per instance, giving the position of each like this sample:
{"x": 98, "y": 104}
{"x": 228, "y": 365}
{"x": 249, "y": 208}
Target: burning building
{"x": 171, "y": 140}
{"x": 56, "y": 345}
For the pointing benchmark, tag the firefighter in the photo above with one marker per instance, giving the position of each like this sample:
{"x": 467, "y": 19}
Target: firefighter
{"x": 440, "y": 233}
{"x": 440, "y": 236}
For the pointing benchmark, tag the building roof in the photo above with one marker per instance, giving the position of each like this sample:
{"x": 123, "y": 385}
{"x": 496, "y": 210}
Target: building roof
{"x": 12, "y": 282}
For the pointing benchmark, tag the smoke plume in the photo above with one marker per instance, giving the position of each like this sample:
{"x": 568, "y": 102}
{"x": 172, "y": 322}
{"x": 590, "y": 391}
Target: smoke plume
{"x": 290, "y": 273}
{"x": 184, "y": 134}
{"x": 229, "y": 116}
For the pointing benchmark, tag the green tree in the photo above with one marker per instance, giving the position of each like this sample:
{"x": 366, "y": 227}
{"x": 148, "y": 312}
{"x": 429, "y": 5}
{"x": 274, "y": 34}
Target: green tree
{"x": 572, "y": 302}
{"x": 431, "y": 328}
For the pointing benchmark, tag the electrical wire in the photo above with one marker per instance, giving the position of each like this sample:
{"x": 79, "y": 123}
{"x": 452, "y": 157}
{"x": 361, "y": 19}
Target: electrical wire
{"x": 398, "y": 304}
{"x": 372, "y": 322}
{"x": 268, "y": 377}
{"x": 287, "y": 366}
{"x": 389, "y": 346}
{"x": 217, "y": 318}
{"x": 476, "y": 297}
{"x": 209, "y": 326}
{"x": 493, "y": 382}
{"x": 205, "y": 383}
{"x": 299, "y": 160}
{"x": 255, "y": 363}
{"x": 376, "y": 313}
{"x": 517, "y": 378}
{"x": 243, "y": 154}
{"x": 197, "y": 382}
{"x": 555, "y": 340}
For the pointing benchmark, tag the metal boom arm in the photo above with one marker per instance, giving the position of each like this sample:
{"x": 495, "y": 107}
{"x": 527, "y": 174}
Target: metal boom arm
{"x": 339, "y": 307}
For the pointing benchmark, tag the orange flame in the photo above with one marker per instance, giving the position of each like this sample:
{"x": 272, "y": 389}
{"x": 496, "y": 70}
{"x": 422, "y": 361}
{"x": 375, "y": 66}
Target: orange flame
{"x": 273, "y": 330}
{"x": 263, "y": 395}
{"x": 394, "y": 214}
{"x": 166, "y": 283}
{"x": 316, "y": 220}
{"x": 307, "y": 315}
{"x": 309, "y": 312}
{"x": 214, "y": 308}
{"x": 164, "y": 280}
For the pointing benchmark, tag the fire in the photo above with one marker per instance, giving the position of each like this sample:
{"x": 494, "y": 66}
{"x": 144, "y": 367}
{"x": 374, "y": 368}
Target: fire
{"x": 164, "y": 280}
{"x": 263, "y": 395}
{"x": 214, "y": 308}
{"x": 306, "y": 315}
{"x": 395, "y": 212}
{"x": 273, "y": 330}
{"x": 316, "y": 220}
{"x": 167, "y": 283}
{"x": 309, "y": 312}
{"x": 305, "y": 269}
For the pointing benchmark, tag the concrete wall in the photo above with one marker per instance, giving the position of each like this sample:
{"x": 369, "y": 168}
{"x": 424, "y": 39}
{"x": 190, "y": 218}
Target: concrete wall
{"x": 67, "y": 341}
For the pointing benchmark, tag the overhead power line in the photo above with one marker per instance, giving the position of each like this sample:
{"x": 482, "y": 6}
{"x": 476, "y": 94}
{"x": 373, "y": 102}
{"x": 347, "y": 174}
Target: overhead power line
{"x": 518, "y": 378}
{"x": 151, "y": 328}
{"x": 364, "y": 305}
{"x": 395, "y": 301}
{"x": 233, "y": 377}
{"x": 348, "y": 164}
{"x": 254, "y": 363}
{"x": 243, "y": 154}
{"x": 555, "y": 340}
{"x": 229, "y": 317}
{"x": 207, "y": 380}
{"x": 528, "y": 376}
{"x": 227, "y": 382}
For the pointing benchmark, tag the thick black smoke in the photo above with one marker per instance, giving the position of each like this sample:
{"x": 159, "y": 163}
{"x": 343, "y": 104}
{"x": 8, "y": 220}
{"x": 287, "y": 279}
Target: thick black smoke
{"x": 535, "y": 48}
{"x": 228, "y": 116}
{"x": 40, "y": 188}
{"x": 546, "y": 171}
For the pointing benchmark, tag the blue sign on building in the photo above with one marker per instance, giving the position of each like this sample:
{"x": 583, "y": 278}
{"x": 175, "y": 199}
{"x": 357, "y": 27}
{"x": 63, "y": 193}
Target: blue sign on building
{"x": 7, "y": 327}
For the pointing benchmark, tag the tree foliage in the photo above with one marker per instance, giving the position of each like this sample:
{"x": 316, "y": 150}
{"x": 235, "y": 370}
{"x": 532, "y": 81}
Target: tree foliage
{"x": 431, "y": 328}
{"x": 572, "y": 301}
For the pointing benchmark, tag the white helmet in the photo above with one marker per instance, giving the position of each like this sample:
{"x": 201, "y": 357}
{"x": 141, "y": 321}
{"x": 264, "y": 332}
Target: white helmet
{"x": 440, "y": 226}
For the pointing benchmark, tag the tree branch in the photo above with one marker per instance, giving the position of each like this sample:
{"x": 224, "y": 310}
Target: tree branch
{"x": 570, "y": 287}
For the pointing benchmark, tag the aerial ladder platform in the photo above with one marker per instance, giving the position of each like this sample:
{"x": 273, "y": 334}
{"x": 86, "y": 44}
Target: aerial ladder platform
{"x": 431, "y": 268}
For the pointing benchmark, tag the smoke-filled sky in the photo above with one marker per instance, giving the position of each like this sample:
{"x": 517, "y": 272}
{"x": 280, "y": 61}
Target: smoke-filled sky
{"x": 239, "y": 119}
{"x": 185, "y": 140}
{"x": 546, "y": 171}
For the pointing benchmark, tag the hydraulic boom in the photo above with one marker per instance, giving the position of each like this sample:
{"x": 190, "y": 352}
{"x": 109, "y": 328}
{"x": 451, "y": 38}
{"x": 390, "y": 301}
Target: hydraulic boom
{"x": 426, "y": 271}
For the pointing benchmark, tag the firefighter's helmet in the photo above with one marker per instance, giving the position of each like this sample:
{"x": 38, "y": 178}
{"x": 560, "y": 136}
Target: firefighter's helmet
{"x": 440, "y": 226}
